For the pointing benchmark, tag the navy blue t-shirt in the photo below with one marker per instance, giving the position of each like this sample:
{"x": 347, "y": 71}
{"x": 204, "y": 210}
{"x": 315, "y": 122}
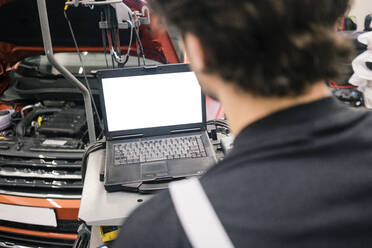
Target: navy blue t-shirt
{"x": 301, "y": 177}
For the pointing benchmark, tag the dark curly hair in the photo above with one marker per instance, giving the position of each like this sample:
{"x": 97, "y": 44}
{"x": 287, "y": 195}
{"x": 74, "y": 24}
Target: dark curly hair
{"x": 266, "y": 47}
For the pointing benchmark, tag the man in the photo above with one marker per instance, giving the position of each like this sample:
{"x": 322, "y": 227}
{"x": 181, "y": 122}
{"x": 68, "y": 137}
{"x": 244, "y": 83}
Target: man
{"x": 300, "y": 173}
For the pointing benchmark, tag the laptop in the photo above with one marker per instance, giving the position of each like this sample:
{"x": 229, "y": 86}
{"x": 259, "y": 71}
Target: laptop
{"x": 155, "y": 127}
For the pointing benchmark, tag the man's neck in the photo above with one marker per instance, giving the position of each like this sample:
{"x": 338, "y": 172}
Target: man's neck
{"x": 243, "y": 109}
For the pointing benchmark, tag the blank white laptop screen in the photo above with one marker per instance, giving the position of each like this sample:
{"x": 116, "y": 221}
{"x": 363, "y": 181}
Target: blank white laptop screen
{"x": 157, "y": 100}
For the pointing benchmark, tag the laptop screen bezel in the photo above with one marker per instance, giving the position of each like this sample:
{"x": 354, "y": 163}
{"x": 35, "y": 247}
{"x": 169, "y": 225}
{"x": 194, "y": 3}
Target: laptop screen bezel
{"x": 139, "y": 71}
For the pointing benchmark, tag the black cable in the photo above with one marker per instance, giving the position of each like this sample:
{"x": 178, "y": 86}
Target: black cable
{"x": 84, "y": 235}
{"x": 140, "y": 44}
{"x": 118, "y": 58}
{"x": 219, "y": 122}
{"x": 92, "y": 148}
{"x": 104, "y": 41}
{"x": 108, "y": 21}
{"x": 117, "y": 44}
{"x": 113, "y": 38}
{"x": 138, "y": 56}
{"x": 112, "y": 61}
{"x": 112, "y": 34}
{"x": 82, "y": 65}
{"x": 136, "y": 30}
{"x": 101, "y": 133}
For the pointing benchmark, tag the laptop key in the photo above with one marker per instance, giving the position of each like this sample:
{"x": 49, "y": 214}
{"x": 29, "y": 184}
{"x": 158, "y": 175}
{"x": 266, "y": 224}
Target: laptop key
{"x": 159, "y": 149}
{"x": 194, "y": 149}
{"x": 201, "y": 145}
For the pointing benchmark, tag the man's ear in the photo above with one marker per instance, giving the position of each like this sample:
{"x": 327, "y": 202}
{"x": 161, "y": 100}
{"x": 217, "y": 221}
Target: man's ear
{"x": 194, "y": 51}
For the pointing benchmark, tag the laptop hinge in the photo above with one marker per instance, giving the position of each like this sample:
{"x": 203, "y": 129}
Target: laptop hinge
{"x": 151, "y": 67}
{"x": 128, "y": 136}
{"x": 186, "y": 130}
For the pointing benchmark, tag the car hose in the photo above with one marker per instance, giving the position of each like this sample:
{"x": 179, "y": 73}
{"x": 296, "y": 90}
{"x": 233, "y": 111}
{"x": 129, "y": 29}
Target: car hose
{"x": 21, "y": 126}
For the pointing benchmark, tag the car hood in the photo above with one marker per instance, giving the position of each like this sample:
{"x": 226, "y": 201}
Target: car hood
{"x": 20, "y": 33}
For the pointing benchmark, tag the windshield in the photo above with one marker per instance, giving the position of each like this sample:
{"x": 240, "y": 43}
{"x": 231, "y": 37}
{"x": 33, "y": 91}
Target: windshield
{"x": 92, "y": 61}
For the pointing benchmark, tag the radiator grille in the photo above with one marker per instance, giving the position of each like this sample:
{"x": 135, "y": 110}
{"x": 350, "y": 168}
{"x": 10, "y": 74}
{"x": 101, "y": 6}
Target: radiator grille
{"x": 40, "y": 175}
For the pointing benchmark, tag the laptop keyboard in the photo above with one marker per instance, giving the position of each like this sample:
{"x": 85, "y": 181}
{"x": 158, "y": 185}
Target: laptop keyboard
{"x": 159, "y": 149}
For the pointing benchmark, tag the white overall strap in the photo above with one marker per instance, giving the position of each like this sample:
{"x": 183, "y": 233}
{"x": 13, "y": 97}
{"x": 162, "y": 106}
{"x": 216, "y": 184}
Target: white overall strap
{"x": 199, "y": 220}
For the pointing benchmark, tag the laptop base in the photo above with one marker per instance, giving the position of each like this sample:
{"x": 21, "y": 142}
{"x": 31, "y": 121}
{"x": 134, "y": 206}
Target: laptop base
{"x": 154, "y": 176}
{"x": 142, "y": 187}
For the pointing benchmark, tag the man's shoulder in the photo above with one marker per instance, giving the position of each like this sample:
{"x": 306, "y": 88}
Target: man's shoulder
{"x": 160, "y": 204}
{"x": 154, "y": 224}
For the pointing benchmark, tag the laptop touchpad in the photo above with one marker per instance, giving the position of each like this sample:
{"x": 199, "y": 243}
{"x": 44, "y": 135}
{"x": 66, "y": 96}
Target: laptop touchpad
{"x": 154, "y": 170}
